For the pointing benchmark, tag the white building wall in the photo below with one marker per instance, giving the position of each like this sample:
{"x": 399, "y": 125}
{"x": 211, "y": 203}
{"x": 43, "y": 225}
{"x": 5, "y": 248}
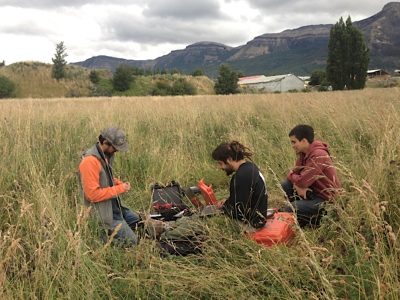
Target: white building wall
{"x": 287, "y": 83}
{"x": 292, "y": 82}
{"x": 273, "y": 86}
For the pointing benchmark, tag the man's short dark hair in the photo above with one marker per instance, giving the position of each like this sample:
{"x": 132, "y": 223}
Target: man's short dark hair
{"x": 303, "y": 132}
{"x": 233, "y": 150}
{"x": 101, "y": 139}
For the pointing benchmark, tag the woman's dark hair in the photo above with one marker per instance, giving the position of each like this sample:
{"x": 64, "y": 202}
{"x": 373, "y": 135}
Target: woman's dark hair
{"x": 233, "y": 149}
{"x": 303, "y": 132}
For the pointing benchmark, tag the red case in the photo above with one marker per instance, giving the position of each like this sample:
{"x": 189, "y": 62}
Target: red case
{"x": 277, "y": 230}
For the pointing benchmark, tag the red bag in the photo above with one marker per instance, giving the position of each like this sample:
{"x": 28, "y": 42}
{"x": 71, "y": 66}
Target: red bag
{"x": 277, "y": 230}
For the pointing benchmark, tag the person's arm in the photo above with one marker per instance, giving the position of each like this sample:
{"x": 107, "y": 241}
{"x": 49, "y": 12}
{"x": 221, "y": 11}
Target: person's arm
{"x": 90, "y": 168}
{"x": 312, "y": 171}
{"x": 297, "y": 167}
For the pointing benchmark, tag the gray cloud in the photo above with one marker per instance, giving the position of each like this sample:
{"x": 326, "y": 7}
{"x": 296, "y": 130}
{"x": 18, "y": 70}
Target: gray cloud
{"x": 156, "y": 30}
{"x": 55, "y": 3}
{"x": 174, "y": 21}
{"x": 26, "y": 28}
{"x": 179, "y": 9}
{"x": 314, "y": 7}
{"x": 138, "y": 27}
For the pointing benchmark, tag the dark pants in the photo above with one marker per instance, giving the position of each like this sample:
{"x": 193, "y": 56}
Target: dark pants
{"x": 309, "y": 211}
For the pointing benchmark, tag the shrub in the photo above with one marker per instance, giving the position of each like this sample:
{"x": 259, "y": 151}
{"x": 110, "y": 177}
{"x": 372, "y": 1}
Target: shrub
{"x": 122, "y": 78}
{"x": 94, "y": 77}
{"x": 179, "y": 87}
{"x": 72, "y": 93}
{"x": 162, "y": 88}
{"x": 182, "y": 87}
{"x": 198, "y": 72}
{"x": 7, "y": 88}
{"x": 317, "y": 77}
{"x": 103, "y": 88}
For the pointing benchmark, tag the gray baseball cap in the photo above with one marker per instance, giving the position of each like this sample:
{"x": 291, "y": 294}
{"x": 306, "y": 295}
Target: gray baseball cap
{"x": 116, "y": 137}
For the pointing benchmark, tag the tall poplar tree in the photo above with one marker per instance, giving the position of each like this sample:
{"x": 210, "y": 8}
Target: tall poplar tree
{"x": 59, "y": 62}
{"x": 348, "y": 57}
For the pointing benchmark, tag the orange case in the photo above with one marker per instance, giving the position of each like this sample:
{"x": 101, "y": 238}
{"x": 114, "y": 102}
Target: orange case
{"x": 277, "y": 230}
{"x": 208, "y": 193}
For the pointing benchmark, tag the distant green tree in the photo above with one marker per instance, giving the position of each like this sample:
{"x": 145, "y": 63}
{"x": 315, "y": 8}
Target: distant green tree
{"x": 94, "y": 77}
{"x": 227, "y": 81}
{"x": 7, "y": 87}
{"x": 358, "y": 58}
{"x": 318, "y": 77}
{"x": 122, "y": 78}
{"x": 59, "y": 62}
{"x": 198, "y": 72}
{"x": 348, "y": 57}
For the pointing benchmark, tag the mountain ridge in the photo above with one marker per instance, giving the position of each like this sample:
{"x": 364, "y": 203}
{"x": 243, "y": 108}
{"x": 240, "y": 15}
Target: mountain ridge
{"x": 299, "y": 50}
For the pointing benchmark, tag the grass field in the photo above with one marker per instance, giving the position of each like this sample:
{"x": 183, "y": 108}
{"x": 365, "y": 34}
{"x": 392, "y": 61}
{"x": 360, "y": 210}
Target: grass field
{"x": 47, "y": 252}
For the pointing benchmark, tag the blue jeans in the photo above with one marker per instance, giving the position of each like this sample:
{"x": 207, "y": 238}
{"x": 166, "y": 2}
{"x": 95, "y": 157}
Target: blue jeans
{"x": 125, "y": 235}
{"x": 309, "y": 211}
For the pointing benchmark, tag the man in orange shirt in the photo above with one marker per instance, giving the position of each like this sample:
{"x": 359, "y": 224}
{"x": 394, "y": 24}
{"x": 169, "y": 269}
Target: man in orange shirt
{"x": 102, "y": 191}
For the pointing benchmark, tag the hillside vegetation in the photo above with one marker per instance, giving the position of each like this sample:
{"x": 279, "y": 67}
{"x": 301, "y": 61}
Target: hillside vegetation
{"x": 33, "y": 80}
{"x": 48, "y": 252}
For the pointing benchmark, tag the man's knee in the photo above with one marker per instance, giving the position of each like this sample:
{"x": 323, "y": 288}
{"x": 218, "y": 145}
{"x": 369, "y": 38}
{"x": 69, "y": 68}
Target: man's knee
{"x": 125, "y": 235}
{"x": 131, "y": 218}
{"x": 309, "y": 212}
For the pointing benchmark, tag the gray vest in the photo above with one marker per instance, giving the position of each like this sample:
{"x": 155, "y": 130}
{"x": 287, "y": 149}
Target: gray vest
{"x": 106, "y": 210}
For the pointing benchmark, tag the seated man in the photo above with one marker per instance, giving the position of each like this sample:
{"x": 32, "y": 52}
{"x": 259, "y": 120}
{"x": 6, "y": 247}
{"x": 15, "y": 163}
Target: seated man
{"x": 102, "y": 191}
{"x": 313, "y": 180}
{"x": 248, "y": 197}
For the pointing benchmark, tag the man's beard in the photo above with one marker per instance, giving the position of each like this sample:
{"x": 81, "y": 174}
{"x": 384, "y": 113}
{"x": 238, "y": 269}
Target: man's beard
{"x": 108, "y": 154}
{"x": 228, "y": 172}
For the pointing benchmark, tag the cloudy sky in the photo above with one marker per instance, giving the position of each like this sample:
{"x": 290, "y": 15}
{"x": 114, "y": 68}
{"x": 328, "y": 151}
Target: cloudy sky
{"x": 146, "y": 29}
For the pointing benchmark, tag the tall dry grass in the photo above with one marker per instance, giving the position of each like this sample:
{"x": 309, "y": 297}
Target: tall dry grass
{"x": 48, "y": 251}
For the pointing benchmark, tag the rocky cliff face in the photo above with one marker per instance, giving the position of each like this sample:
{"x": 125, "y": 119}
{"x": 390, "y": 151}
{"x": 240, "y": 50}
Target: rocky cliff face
{"x": 284, "y": 41}
{"x": 310, "y": 45}
{"x": 382, "y": 34}
{"x": 298, "y": 51}
{"x": 202, "y": 54}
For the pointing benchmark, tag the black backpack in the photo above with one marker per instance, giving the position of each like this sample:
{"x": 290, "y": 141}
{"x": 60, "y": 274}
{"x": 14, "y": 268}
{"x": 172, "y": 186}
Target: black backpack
{"x": 167, "y": 201}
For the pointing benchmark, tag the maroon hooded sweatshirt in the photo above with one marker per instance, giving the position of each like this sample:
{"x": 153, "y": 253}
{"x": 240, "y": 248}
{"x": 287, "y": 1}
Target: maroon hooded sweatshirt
{"x": 315, "y": 170}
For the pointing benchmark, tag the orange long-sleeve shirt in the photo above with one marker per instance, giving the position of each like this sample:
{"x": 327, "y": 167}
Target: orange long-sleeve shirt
{"x": 90, "y": 168}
